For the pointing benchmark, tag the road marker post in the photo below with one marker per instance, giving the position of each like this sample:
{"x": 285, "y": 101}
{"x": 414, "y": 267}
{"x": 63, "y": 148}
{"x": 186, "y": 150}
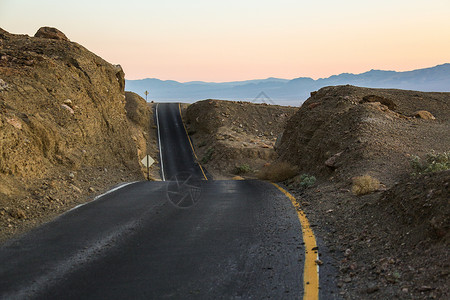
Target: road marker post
{"x": 148, "y": 161}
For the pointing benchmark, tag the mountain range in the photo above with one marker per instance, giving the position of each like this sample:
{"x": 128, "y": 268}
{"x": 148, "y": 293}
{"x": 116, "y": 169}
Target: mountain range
{"x": 289, "y": 92}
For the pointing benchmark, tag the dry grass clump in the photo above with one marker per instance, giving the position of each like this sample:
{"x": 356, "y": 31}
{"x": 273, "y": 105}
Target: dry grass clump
{"x": 242, "y": 169}
{"x": 366, "y": 184}
{"x": 278, "y": 171}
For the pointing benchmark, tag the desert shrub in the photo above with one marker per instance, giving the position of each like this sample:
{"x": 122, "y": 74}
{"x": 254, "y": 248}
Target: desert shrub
{"x": 433, "y": 162}
{"x": 307, "y": 181}
{"x": 278, "y": 171}
{"x": 242, "y": 169}
{"x": 202, "y": 144}
{"x": 303, "y": 181}
{"x": 208, "y": 155}
{"x": 366, "y": 184}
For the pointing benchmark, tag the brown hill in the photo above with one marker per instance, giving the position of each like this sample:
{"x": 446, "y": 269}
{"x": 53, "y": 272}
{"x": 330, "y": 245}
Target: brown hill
{"x": 233, "y": 134}
{"x": 64, "y": 129}
{"x": 347, "y": 131}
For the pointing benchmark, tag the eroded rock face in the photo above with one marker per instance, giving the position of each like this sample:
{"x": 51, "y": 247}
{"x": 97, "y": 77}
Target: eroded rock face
{"x": 69, "y": 103}
{"x": 51, "y": 33}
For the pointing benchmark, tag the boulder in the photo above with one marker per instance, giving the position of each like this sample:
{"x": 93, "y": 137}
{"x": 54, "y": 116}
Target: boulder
{"x": 51, "y": 33}
{"x": 423, "y": 114}
{"x": 331, "y": 162}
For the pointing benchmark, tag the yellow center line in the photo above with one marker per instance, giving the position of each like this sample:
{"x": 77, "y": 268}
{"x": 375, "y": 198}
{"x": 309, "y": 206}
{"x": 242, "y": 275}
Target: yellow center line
{"x": 311, "y": 269}
{"x": 190, "y": 142}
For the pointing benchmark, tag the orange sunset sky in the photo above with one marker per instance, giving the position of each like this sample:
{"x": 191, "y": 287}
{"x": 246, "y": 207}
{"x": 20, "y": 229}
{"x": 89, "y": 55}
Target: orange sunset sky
{"x": 240, "y": 40}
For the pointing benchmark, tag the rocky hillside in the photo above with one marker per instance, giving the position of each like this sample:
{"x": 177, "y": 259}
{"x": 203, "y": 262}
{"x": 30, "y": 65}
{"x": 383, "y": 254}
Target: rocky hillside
{"x": 64, "y": 128}
{"x": 346, "y": 131}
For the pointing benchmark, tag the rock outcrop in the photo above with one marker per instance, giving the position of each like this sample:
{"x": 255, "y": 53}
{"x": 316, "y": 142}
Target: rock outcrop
{"x": 68, "y": 103}
{"x": 51, "y": 33}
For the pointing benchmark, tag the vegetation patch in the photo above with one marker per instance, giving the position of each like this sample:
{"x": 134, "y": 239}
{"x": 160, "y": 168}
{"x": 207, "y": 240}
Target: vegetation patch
{"x": 366, "y": 184}
{"x": 433, "y": 162}
{"x": 302, "y": 181}
{"x": 307, "y": 181}
{"x": 242, "y": 169}
{"x": 208, "y": 155}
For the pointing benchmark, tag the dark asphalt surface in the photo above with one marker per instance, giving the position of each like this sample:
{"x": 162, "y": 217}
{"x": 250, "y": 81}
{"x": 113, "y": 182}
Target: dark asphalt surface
{"x": 191, "y": 239}
{"x": 241, "y": 240}
{"x": 176, "y": 151}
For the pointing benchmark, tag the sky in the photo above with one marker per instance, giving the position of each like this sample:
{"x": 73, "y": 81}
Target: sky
{"x": 217, "y": 41}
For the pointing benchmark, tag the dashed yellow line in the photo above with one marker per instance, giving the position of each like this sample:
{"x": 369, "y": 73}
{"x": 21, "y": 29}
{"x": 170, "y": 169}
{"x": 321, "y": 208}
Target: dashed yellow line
{"x": 311, "y": 269}
{"x": 190, "y": 142}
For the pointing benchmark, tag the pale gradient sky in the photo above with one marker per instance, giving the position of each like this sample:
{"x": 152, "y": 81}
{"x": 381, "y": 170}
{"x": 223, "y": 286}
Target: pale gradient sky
{"x": 213, "y": 40}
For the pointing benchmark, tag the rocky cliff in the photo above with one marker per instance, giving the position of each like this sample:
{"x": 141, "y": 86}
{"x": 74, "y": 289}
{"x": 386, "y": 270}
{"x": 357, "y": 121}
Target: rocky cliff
{"x": 63, "y": 120}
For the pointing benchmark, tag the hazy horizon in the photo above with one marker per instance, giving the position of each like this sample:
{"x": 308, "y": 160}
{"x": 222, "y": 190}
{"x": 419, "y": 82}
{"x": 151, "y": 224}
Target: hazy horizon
{"x": 288, "y": 79}
{"x": 432, "y": 79}
{"x": 223, "y": 41}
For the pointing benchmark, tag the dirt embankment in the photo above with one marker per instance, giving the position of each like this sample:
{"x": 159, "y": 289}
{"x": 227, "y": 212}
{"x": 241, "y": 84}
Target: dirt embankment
{"x": 67, "y": 130}
{"x": 233, "y": 134}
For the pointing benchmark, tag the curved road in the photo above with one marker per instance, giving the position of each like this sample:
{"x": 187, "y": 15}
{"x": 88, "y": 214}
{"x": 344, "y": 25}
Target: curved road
{"x": 185, "y": 239}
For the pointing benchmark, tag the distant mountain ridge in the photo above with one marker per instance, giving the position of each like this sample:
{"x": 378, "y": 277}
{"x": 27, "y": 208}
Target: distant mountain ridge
{"x": 295, "y": 91}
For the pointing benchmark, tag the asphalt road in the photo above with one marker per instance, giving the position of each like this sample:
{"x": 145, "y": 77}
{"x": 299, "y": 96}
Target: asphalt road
{"x": 184, "y": 239}
{"x": 176, "y": 151}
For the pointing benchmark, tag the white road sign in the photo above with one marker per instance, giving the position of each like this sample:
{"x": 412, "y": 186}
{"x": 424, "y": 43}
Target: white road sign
{"x": 147, "y": 161}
